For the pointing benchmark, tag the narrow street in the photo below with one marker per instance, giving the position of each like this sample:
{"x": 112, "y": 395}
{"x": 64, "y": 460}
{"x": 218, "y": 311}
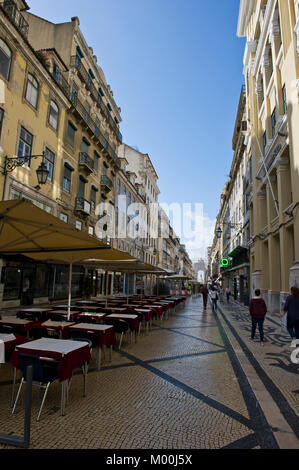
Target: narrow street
{"x": 193, "y": 382}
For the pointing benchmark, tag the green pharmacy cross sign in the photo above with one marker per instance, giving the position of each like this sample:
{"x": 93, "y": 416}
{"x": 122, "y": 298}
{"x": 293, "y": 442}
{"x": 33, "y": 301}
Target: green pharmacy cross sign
{"x": 225, "y": 262}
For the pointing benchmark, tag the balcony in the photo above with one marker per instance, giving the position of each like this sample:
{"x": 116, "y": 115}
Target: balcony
{"x": 83, "y": 114}
{"x": 82, "y": 206}
{"x": 61, "y": 82}
{"x": 85, "y": 163}
{"x": 11, "y": 9}
{"x": 106, "y": 184}
{"x": 87, "y": 80}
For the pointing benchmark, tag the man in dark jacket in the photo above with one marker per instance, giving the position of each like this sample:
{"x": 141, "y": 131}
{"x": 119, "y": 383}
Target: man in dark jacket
{"x": 258, "y": 310}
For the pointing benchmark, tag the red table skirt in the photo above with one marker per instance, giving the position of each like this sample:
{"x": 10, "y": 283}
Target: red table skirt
{"x": 67, "y": 363}
{"x": 157, "y": 309}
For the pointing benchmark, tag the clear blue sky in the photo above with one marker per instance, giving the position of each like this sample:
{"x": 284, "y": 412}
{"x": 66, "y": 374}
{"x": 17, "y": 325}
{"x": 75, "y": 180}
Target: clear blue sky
{"x": 175, "y": 67}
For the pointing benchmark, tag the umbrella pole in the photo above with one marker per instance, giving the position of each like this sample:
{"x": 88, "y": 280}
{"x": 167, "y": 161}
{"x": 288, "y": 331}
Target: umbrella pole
{"x": 106, "y": 287}
{"x": 70, "y": 291}
{"x": 128, "y": 289}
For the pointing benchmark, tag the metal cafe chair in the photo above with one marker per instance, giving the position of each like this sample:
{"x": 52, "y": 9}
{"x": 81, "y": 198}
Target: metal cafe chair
{"x": 44, "y": 373}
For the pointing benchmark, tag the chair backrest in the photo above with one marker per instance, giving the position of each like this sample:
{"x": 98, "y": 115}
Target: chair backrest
{"x": 38, "y": 332}
{"x": 6, "y": 329}
{"x": 34, "y": 361}
{"x": 120, "y": 326}
{"x": 81, "y": 335}
{"x": 57, "y": 317}
{"x": 44, "y": 369}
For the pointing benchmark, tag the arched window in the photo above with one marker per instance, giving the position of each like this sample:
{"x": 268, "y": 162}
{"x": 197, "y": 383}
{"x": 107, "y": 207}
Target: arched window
{"x": 54, "y": 115}
{"x": 32, "y": 90}
{"x": 5, "y": 59}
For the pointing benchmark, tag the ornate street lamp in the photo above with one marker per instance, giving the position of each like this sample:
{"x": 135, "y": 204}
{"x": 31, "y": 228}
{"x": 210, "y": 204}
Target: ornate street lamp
{"x": 218, "y": 232}
{"x": 42, "y": 172}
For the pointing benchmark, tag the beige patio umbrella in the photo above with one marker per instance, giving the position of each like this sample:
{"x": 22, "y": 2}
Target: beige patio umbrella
{"x": 27, "y": 230}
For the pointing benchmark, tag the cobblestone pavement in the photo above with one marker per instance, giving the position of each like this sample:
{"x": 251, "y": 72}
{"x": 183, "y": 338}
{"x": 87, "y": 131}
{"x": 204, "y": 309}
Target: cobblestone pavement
{"x": 193, "y": 382}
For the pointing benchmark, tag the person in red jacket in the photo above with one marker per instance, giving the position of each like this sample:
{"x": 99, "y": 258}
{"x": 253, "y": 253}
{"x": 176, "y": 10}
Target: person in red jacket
{"x": 258, "y": 310}
{"x": 204, "y": 292}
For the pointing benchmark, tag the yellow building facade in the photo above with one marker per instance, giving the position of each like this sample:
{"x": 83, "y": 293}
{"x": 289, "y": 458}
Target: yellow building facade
{"x": 271, "y": 70}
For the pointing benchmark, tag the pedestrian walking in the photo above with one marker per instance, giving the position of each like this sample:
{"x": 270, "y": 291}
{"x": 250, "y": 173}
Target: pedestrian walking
{"x": 291, "y": 309}
{"x": 214, "y": 297}
{"x": 204, "y": 292}
{"x": 227, "y": 292}
{"x": 258, "y": 310}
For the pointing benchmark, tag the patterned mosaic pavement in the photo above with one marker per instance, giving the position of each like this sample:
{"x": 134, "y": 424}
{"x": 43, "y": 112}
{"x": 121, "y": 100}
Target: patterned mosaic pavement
{"x": 193, "y": 382}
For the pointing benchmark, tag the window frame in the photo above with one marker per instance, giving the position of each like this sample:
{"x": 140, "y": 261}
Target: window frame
{"x": 28, "y": 81}
{"x": 49, "y": 163}
{"x": 58, "y": 115}
{"x": 26, "y": 144}
{"x": 9, "y": 59}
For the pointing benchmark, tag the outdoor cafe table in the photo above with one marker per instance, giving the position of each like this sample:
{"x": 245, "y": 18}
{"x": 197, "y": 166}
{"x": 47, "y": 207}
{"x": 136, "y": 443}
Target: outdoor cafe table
{"x": 69, "y": 354}
{"x": 73, "y": 314}
{"x": 64, "y": 307}
{"x": 20, "y": 325}
{"x": 147, "y": 314}
{"x": 93, "y": 316}
{"x": 60, "y": 326}
{"x": 8, "y": 342}
{"x": 157, "y": 308}
{"x": 89, "y": 308}
{"x": 37, "y": 313}
{"x": 87, "y": 302}
{"x": 115, "y": 309}
{"x": 131, "y": 319}
{"x": 104, "y": 334}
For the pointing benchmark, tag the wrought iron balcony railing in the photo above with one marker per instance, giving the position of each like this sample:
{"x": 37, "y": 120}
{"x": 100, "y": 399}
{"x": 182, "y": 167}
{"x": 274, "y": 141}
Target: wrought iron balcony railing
{"x": 84, "y": 159}
{"x": 11, "y": 9}
{"x": 86, "y": 78}
{"x": 61, "y": 81}
{"x": 105, "y": 181}
{"x": 82, "y": 205}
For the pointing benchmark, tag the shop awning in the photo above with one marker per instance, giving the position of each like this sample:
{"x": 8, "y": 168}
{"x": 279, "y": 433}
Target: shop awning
{"x": 238, "y": 251}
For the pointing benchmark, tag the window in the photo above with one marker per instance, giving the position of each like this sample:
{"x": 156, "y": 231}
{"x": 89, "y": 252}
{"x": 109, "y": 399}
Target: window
{"x": 118, "y": 187}
{"x": 78, "y": 225}
{"x": 49, "y": 161}
{"x": 96, "y": 158}
{"x": 90, "y": 230}
{"x": 25, "y": 144}
{"x": 284, "y": 100}
{"x": 53, "y": 115}
{"x": 64, "y": 217}
{"x": 97, "y": 128}
{"x": 67, "y": 177}
{"x": 74, "y": 97}
{"x": 1, "y": 120}
{"x": 93, "y": 197}
{"x": 71, "y": 130}
{"x": 56, "y": 71}
{"x": 5, "y": 59}
{"x": 273, "y": 122}
{"x": 265, "y": 139}
{"x": 32, "y": 91}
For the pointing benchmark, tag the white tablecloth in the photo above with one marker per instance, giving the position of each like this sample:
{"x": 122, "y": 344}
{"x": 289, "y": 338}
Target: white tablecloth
{"x": 3, "y": 339}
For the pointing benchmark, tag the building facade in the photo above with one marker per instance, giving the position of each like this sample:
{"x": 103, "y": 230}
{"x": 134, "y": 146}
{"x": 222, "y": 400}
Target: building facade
{"x": 271, "y": 69}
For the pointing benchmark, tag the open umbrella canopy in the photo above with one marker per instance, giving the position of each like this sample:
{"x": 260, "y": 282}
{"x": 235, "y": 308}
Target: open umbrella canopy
{"x": 27, "y": 230}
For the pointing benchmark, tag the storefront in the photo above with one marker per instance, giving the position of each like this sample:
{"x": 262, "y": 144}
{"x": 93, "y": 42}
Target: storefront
{"x": 25, "y": 282}
{"x": 236, "y": 276}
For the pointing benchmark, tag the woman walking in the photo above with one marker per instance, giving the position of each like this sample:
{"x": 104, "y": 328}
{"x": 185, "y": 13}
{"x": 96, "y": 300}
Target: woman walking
{"x": 291, "y": 309}
{"x": 214, "y": 297}
{"x": 258, "y": 310}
